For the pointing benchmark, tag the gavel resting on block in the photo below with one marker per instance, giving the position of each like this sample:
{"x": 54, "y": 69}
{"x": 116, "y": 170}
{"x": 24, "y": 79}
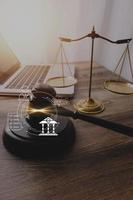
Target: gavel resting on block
{"x": 47, "y": 129}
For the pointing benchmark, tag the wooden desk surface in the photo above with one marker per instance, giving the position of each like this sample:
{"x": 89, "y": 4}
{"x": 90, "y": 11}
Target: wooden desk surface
{"x": 99, "y": 166}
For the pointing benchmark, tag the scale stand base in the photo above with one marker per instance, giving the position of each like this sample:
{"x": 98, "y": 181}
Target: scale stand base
{"x": 24, "y": 144}
{"x": 89, "y": 106}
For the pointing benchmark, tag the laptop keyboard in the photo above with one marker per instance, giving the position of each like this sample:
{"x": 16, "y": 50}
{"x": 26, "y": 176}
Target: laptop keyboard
{"x": 29, "y": 77}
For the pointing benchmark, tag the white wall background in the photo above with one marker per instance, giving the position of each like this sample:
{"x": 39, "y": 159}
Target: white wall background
{"x": 32, "y": 28}
{"x": 117, "y": 24}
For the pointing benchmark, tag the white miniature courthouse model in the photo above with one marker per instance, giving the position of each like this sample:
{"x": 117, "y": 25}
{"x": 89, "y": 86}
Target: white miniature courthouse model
{"x": 50, "y": 123}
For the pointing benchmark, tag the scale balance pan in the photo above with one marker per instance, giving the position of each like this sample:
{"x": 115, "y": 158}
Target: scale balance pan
{"x": 62, "y": 81}
{"x": 119, "y": 87}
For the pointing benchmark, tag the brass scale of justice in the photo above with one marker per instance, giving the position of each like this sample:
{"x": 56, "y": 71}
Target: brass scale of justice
{"x": 27, "y": 142}
{"x": 119, "y": 86}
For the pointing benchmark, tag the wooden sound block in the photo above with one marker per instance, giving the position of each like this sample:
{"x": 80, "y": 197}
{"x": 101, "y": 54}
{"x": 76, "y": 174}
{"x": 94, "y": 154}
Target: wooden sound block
{"x": 27, "y": 143}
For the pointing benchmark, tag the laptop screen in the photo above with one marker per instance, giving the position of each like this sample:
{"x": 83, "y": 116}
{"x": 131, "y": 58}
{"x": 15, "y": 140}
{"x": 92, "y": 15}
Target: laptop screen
{"x": 8, "y": 61}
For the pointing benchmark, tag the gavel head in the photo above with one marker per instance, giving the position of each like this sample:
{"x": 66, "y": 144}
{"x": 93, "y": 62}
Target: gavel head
{"x": 41, "y": 104}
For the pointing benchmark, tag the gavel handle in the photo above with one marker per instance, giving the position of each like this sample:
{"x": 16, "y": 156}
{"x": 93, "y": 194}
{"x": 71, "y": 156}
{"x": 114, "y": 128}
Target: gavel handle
{"x": 97, "y": 121}
{"x": 106, "y": 124}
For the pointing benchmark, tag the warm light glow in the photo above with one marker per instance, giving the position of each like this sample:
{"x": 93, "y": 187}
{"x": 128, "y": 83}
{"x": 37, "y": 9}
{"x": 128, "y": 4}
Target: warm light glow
{"x": 42, "y": 110}
{"x": 32, "y": 27}
{"x": 22, "y": 27}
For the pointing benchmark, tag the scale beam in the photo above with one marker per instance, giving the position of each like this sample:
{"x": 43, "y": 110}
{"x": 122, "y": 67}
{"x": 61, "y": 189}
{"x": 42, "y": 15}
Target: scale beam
{"x": 94, "y": 35}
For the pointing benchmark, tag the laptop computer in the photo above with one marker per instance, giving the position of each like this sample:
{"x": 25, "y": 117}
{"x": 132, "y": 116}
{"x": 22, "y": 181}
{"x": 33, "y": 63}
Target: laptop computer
{"x": 16, "y": 79}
